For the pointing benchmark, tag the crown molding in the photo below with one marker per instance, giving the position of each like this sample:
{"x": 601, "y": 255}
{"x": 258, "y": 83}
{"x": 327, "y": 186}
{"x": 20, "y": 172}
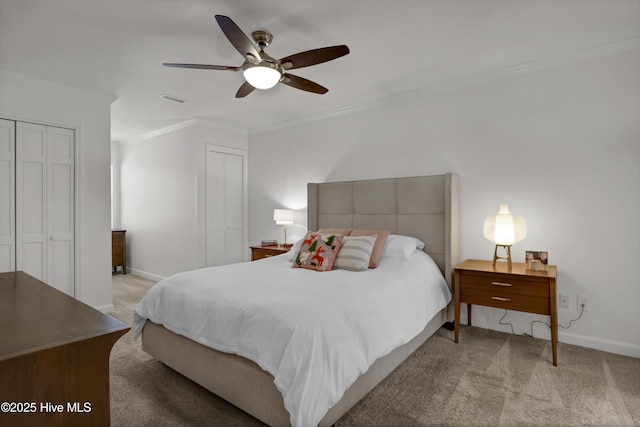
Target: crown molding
{"x": 221, "y": 126}
{"x": 163, "y": 131}
{"x": 183, "y": 125}
{"x": 450, "y": 85}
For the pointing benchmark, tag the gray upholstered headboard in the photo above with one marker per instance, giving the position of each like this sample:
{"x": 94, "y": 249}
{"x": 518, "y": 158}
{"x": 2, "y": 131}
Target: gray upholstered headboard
{"x": 425, "y": 207}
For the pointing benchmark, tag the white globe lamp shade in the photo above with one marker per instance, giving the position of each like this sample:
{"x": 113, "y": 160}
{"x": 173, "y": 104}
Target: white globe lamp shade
{"x": 504, "y": 230}
{"x": 261, "y": 76}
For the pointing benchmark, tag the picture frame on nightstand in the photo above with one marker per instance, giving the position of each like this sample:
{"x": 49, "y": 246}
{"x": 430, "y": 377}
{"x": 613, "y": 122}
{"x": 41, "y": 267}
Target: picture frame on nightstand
{"x": 542, "y": 256}
{"x": 536, "y": 260}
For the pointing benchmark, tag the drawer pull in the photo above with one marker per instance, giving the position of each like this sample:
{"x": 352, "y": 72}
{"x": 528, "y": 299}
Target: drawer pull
{"x": 501, "y": 299}
{"x": 501, "y": 284}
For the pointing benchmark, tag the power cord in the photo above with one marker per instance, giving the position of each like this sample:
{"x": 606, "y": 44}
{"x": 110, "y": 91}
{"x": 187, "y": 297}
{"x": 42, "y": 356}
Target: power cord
{"x": 538, "y": 321}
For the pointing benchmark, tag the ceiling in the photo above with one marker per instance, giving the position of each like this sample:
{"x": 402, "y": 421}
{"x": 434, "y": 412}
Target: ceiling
{"x": 117, "y": 47}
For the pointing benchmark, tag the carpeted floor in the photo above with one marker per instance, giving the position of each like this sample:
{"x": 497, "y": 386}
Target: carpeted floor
{"x": 488, "y": 379}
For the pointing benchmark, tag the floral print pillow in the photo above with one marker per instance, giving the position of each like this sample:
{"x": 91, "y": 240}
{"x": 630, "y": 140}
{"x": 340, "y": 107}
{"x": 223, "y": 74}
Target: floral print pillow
{"x": 318, "y": 251}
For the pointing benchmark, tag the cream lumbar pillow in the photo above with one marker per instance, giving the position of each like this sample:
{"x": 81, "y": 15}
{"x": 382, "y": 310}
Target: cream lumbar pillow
{"x": 355, "y": 253}
{"x": 380, "y": 241}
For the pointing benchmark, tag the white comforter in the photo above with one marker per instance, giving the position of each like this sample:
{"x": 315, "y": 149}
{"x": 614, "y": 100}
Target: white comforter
{"x": 315, "y": 332}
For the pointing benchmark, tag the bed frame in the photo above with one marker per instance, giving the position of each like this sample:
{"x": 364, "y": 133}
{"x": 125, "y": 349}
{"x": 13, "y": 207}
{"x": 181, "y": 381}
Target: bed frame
{"x": 425, "y": 207}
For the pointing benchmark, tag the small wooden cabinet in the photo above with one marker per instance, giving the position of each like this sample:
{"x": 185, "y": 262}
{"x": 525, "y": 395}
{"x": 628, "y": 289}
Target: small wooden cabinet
{"x": 259, "y": 252}
{"x": 520, "y": 289}
{"x": 119, "y": 250}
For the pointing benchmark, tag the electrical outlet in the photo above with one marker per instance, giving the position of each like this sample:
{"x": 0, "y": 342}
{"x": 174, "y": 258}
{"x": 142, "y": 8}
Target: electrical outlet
{"x": 564, "y": 301}
{"x": 582, "y": 300}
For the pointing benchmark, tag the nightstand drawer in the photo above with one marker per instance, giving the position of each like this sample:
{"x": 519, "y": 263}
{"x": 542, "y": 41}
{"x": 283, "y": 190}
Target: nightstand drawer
{"x": 509, "y": 301}
{"x": 261, "y": 252}
{"x": 505, "y": 284}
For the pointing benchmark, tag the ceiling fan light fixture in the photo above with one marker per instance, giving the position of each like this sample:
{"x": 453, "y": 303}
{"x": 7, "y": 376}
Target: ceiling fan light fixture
{"x": 264, "y": 75}
{"x": 260, "y": 70}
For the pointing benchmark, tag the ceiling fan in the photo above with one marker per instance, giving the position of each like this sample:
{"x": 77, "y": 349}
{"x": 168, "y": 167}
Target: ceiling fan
{"x": 262, "y": 71}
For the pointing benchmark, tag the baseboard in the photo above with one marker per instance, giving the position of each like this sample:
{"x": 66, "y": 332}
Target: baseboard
{"x": 145, "y": 274}
{"x": 616, "y": 347}
{"x": 481, "y": 316}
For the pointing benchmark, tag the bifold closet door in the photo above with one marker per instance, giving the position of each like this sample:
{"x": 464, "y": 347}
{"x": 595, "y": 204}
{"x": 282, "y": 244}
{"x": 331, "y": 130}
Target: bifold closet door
{"x": 7, "y": 196}
{"x": 44, "y": 204}
{"x": 224, "y": 208}
{"x": 60, "y": 209}
{"x": 31, "y": 201}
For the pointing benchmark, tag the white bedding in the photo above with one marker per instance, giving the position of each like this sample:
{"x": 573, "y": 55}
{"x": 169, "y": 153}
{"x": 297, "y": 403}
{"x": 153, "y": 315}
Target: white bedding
{"x": 315, "y": 332}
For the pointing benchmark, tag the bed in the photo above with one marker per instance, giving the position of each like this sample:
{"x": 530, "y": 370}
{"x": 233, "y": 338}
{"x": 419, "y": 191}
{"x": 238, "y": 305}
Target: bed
{"x": 422, "y": 207}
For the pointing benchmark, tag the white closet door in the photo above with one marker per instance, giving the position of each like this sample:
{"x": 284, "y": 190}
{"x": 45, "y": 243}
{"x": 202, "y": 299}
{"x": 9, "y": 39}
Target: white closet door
{"x": 31, "y": 199}
{"x": 234, "y": 207}
{"x": 60, "y": 221}
{"x": 44, "y": 194}
{"x": 7, "y": 196}
{"x": 216, "y": 219}
{"x": 224, "y": 208}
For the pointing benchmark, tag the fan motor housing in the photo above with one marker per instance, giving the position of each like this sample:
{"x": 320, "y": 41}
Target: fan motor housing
{"x": 266, "y": 61}
{"x": 263, "y": 38}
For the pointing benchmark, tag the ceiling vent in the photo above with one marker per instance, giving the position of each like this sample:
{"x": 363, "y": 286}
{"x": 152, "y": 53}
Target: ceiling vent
{"x": 173, "y": 98}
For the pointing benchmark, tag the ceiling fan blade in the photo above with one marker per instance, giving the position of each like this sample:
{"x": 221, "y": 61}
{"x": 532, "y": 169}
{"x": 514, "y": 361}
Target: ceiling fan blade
{"x": 201, "y": 66}
{"x": 244, "y": 90}
{"x": 238, "y": 39}
{"x": 303, "y": 84}
{"x": 313, "y": 57}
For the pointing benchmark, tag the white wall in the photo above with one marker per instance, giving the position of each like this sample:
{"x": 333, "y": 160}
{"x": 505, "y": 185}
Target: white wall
{"x": 22, "y": 98}
{"x": 162, "y": 196}
{"x": 560, "y": 145}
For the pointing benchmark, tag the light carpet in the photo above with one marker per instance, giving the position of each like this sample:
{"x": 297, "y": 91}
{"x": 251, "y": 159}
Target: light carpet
{"x": 488, "y": 379}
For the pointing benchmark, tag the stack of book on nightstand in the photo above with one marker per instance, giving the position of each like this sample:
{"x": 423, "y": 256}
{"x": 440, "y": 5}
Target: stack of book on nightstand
{"x": 269, "y": 243}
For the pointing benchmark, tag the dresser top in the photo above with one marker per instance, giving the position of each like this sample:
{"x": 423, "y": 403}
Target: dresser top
{"x": 518, "y": 268}
{"x": 35, "y": 316}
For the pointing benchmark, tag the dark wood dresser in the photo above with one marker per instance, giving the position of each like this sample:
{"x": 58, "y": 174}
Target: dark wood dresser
{"x": 54, "y": 356}
{"x": 119, "y": 250}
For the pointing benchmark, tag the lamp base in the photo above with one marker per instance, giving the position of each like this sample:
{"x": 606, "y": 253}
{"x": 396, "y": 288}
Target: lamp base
{"x": 507, "y": 249}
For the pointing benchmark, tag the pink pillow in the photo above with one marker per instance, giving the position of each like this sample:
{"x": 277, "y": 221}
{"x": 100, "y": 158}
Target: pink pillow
{"x": 377, "y": 248}
{"x": 318, "y": 251}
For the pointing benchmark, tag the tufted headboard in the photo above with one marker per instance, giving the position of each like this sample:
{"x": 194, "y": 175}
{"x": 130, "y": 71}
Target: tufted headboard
{"x": 425, "y": 207}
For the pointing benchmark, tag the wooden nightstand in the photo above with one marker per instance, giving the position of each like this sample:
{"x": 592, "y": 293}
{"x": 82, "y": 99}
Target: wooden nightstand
{"x": 479, "y": 282}
{"x": 259, "y": 252}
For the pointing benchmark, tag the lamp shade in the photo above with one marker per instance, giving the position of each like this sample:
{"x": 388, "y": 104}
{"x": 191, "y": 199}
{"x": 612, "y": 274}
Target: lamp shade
{"x": 283, "y": 216}
{"x": 261, "y": 76}
{"x": 504, "y": 228}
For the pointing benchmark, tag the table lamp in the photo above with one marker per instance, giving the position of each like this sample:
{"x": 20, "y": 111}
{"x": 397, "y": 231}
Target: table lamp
{"x": 504, "y": 230}
{"x": 283, "y": 217}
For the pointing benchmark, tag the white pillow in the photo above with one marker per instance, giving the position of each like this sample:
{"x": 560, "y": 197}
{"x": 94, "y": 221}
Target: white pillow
{"x": 355, "y": 253}
{"x": 401, "y": 247}
{"x": 295, "y": 249}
